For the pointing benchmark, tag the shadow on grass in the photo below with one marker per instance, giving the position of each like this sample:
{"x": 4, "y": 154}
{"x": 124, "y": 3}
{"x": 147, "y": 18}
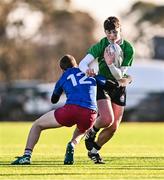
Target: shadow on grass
{"x": 47, "y": 174}
{"x": 86, "y": 168}
{"x": 111, "y": 162}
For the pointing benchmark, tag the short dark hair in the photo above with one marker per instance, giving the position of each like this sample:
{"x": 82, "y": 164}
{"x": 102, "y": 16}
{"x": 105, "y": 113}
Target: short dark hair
{"x": 67, "y": 61}
{"x": 111, "y": 23}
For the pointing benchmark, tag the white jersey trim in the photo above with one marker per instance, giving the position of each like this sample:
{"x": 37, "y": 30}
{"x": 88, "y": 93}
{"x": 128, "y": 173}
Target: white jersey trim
{"x": 84, "y": 63}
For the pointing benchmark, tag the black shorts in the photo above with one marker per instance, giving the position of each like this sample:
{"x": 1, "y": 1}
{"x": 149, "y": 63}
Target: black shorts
{"x": 116, "y": 94}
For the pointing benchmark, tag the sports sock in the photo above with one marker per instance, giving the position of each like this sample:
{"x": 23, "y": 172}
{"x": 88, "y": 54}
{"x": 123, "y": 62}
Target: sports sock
{"x": 95, "y": 129}
{"x": 95, "y": 148}
{"x": 28, "y": 152}
{"x": 94, "y": 151}
{"x": 73, "y": 143}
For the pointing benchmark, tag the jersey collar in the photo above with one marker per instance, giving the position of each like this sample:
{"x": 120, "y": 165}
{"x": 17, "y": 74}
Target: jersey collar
{"x": 119, "y": 42}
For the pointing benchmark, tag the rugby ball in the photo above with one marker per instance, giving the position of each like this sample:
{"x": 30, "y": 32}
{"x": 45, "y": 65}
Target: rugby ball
{"x": 116, "y": 49}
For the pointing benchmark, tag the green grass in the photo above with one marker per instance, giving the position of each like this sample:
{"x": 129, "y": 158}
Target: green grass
{"x": 135, "y": 152}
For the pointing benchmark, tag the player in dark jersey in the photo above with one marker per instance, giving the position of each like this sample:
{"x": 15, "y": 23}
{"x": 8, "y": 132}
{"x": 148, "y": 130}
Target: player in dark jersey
{"x": 110, "y": 101}
{"x": 80, "y": 108}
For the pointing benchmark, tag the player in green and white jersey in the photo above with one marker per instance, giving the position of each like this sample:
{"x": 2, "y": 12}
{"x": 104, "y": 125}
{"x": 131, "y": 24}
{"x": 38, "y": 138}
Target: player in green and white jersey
{"x": 110, "y": 101}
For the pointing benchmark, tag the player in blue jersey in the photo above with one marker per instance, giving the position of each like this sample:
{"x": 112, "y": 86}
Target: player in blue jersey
{"x": 80, "y": 109}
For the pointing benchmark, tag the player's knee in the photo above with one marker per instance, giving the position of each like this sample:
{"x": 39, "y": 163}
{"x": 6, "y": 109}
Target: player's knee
{"x": 107, "y": 120}
{"x": 38, "y": 125}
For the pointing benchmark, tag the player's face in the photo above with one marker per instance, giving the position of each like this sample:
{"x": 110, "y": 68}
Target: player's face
{"x": 113, "y": 35}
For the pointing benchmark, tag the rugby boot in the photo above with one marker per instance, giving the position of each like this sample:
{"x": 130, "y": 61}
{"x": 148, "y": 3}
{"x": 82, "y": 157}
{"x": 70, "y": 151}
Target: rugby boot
{"x": 96, "y": 158}
{"x": 69, "y": 155}
{"x": 22, "y": 160}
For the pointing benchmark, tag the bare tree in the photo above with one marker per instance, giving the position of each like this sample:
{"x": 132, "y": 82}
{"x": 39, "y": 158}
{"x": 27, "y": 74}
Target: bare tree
{"x": 35, "y": 34}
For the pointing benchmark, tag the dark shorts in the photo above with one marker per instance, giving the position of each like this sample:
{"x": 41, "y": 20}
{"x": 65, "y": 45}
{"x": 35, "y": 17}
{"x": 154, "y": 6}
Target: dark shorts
{"x": 116, "y": 94}
{"x": 69, "y": 115}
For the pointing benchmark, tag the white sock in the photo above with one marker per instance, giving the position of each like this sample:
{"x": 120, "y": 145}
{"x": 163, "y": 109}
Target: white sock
{"x": 94, "y": 150}
{"x": 73, "y": 144}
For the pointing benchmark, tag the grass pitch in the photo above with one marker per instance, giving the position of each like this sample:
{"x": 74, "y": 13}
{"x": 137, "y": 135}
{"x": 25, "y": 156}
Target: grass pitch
{"x": 135, "y": 152}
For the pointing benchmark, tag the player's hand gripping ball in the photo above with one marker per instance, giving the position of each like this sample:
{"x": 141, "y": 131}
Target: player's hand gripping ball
{"x": 118, "y": 54}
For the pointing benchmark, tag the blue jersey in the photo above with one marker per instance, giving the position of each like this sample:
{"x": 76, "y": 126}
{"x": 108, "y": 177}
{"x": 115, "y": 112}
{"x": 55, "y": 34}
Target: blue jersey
{"x": 79, "y": 89}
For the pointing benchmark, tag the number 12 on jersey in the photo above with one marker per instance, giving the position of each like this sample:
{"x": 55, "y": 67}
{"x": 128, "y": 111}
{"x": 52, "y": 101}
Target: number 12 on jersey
{"x": 82, "y": 80}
